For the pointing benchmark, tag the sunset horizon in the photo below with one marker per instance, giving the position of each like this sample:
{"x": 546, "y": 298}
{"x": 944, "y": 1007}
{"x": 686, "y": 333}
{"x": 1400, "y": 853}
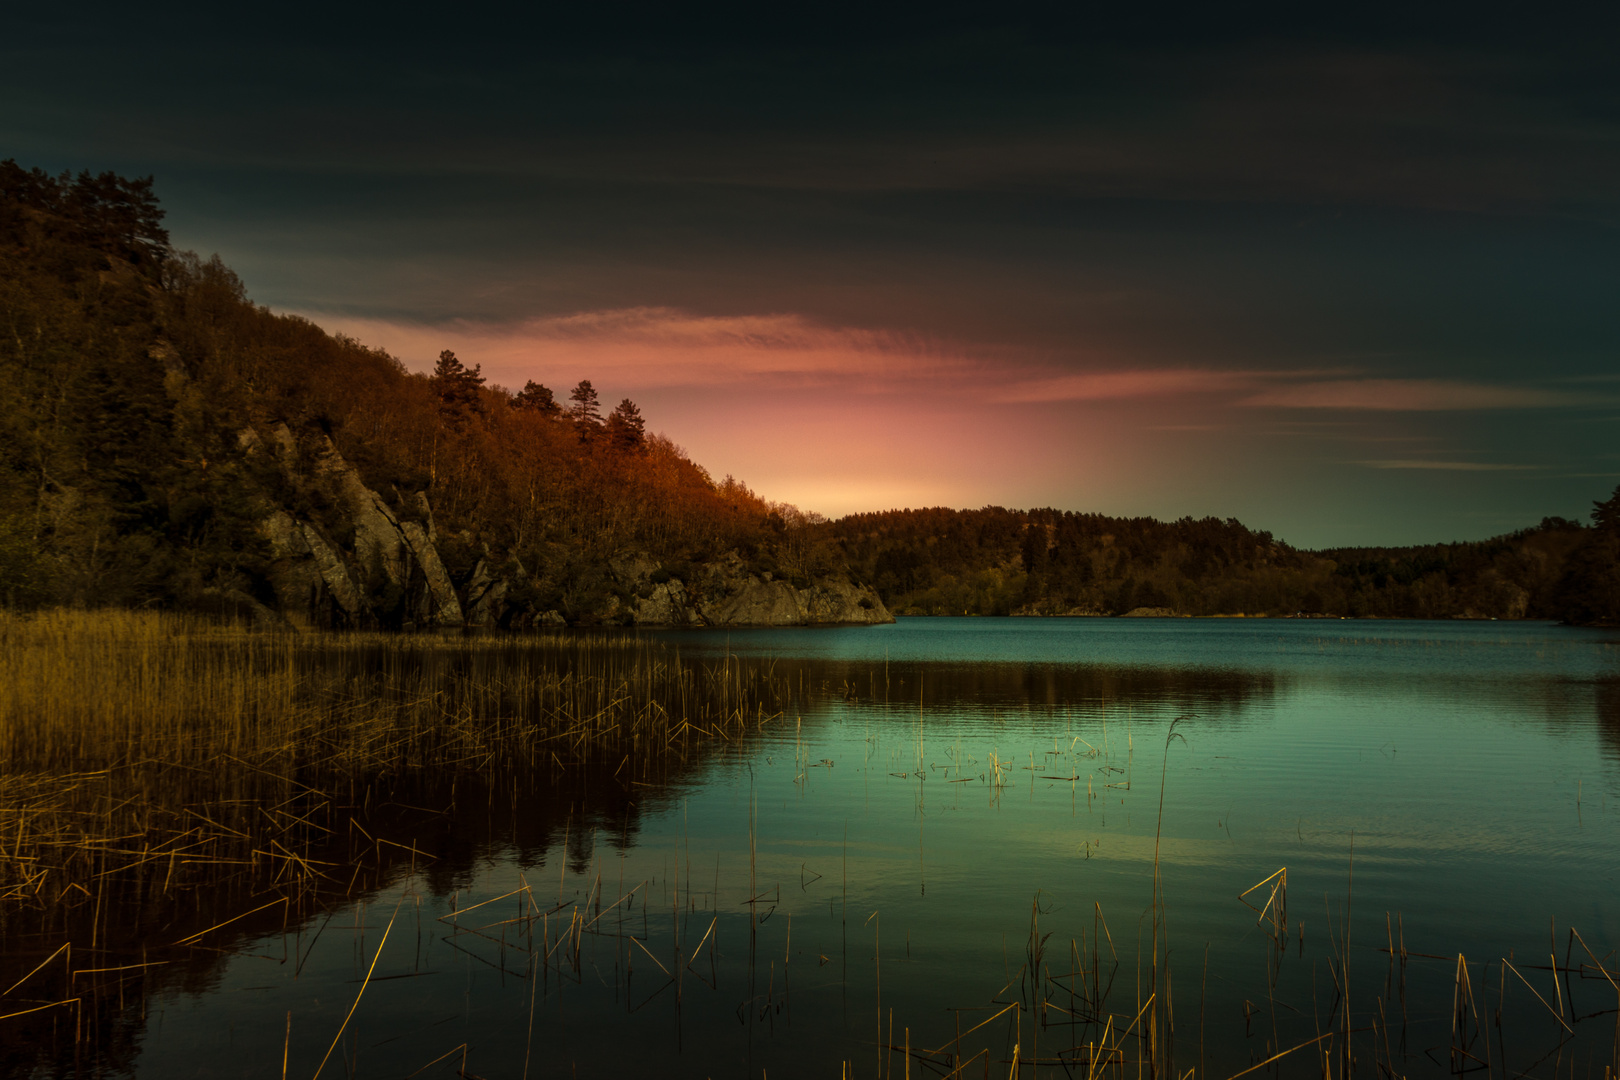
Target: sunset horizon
{"x": 1345, "y": 277}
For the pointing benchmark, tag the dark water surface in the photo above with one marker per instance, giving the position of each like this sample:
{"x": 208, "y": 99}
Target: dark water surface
{"x": 866, "y": 873}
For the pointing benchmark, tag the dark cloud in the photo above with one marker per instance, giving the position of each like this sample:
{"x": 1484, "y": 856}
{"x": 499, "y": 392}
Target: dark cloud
{"x": 1394, "y": 191}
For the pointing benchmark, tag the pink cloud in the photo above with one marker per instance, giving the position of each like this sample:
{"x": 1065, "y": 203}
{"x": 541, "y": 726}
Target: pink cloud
{"x": 651, "y": 348}
{"x": 662, "y": 347}
{"x": 1113, "y": 385}
{"x": 838, "y": 418}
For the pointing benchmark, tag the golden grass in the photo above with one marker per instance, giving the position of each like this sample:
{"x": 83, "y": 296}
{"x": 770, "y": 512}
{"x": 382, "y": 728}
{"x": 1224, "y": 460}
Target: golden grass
{"x": 135, "y": 738}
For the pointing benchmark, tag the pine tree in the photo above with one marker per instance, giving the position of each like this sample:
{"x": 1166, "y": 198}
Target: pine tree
{"x": 586, "y": 409}
{"x": 457, "y": 385}
{"x": 538, "y": 399}
{"x": 1606, "y": 515}
{"x": 625, "y": 428}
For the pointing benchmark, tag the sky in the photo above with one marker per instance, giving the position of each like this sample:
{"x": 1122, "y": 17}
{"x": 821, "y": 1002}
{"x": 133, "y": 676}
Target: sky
{"x": 1348, "y": 274}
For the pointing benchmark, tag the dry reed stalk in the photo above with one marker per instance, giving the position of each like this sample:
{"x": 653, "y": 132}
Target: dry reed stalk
{"x": 1557, "y": 1015}
{"x": 1282, "y": 1054}
{"x": 65, "y": 947}
{"x": 40, "y": 1008}
{"x": 369, "y": 971}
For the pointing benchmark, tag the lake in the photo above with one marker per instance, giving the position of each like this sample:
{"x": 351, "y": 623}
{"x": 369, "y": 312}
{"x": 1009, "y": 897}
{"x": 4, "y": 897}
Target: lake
{"x": 972, "y": 847}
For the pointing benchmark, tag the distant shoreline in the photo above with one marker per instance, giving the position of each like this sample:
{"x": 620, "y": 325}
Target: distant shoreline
{"x": 1323, "y": 618}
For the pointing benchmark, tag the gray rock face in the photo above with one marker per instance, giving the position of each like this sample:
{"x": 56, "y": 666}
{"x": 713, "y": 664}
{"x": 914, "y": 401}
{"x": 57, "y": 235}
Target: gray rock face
{"x": 311, "y": 566}
{"x": 485, "y": 594}
{"x": 377, "y": 534}
{"x": 725, "y": 593}
{"x": 756, "y": 603}
{"x": 667, "y": 606}
{"x": 440, "y": 602}
{"x": 308, "y": 570}
{"x": 333, "y": 572}
{"x": 360, "y": 564}
{"x": 296, "y": 576}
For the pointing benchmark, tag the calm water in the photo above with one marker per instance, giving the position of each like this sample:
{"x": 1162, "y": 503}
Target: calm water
{"x": 864, "y": 875}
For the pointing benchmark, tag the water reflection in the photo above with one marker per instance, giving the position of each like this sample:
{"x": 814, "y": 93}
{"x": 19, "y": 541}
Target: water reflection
{"x": 892, "y": 846}
{"x": 136, "y": 938}
{"x": 1088, "y": 688}
{"x": 1607, "y": 700}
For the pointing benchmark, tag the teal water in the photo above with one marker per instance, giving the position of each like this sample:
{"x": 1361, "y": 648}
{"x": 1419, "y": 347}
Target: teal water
{"x": 865, "y": 874}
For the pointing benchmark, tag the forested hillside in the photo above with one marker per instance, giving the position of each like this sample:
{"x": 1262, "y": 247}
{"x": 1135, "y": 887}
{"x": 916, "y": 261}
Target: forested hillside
{"x": 165, "y": 441}
{"x": 133, "y": 376}
{"x": 1047, "y": 562}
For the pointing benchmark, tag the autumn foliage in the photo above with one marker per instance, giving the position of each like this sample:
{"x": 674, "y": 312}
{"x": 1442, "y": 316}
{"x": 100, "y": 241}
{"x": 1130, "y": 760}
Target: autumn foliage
{"x": 132, "y": 372}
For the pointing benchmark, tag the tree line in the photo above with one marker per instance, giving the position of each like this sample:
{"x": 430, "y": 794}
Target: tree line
{"x": 995, "y": 561}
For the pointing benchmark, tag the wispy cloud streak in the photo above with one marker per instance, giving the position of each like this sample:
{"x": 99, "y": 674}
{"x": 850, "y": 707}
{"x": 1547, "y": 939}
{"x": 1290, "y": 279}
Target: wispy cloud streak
{"x": 661, "y": 347}
{"x": 1411, "y": 395}
{"x": 657, "y": 347}
{"x": 1115, "y": 385}
{"x": 1446, "y": 466}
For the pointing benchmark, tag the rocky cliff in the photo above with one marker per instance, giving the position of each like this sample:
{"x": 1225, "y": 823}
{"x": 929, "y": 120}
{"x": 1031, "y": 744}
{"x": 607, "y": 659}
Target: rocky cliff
{"x": 343, "y": 555}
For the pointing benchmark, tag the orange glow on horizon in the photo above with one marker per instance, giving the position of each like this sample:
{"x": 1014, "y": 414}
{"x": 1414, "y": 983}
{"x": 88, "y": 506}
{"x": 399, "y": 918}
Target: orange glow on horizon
{"x": 839, "y": 420}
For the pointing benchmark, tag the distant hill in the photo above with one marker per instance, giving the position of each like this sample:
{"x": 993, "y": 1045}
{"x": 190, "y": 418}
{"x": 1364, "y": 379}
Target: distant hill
{"x": 995, "y": 561}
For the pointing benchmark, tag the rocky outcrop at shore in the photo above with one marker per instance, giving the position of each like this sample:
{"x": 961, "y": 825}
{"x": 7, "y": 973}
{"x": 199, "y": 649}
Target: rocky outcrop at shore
{"x": 343, "y": 556}
{"x": 725, "y": 592}
{"x": 1055, "y": 607}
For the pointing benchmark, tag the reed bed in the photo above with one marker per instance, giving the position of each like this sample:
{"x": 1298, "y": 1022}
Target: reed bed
{"x": 134, "y": 738}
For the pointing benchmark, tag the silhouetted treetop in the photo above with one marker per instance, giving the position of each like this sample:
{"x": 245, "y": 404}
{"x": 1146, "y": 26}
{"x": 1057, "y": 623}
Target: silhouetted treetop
{"x": 105, "y": 213}
{"x": 625, "y": 428}
{"x": 1606, "y": 514}
{"x": 537, "y": 398}
{"x": 586, "y": 409}
{"x": 456, "y": 384}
